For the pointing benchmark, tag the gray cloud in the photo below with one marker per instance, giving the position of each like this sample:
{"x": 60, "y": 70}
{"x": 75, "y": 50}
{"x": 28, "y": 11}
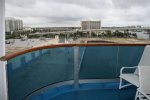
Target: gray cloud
{"x": 20, "y": 3}
{"x": 70, "y": 12}
{"x": 130, "y": 3}
{"x": 95, "y": 4}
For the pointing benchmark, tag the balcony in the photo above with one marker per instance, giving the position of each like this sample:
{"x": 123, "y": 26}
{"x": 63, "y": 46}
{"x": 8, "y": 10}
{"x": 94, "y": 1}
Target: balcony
{"x": 71, "y": 72}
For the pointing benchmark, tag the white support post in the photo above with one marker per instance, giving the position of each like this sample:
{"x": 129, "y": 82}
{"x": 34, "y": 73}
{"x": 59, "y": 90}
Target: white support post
{"x": 76, "y": 67}
{"x": 3, "y": 80}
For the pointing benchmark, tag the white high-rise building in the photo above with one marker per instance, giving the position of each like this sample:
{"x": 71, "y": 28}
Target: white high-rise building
{"x": 9, "y": 24}
{"x": 89, "y": 25}
{"x": 12, "y": 24}
{"x": 18, "y": 24}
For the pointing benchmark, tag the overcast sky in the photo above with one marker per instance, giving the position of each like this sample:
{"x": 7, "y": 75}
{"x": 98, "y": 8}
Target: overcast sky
{"x": 71, "y": 12}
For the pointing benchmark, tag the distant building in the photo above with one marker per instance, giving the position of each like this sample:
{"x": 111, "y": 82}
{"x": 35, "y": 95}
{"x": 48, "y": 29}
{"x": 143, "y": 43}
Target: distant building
{"x": 54, "y": 29}
{"x": 18, "y": 24}
{"x": 12, "y": 24}
{"x": 27, "y": 29}
{"x": 89, "y": 25}
{"x": 9, "y": 24}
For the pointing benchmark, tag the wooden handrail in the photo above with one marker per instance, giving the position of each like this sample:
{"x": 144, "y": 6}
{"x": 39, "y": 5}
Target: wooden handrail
{"x": 10, "y": 56}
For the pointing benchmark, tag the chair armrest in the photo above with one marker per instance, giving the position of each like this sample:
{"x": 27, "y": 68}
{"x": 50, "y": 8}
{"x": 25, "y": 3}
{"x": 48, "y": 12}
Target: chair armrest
{"x": 121, "y": 71}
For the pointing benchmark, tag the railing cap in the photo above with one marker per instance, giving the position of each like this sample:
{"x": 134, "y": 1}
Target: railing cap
{"x": 10, "y": 56}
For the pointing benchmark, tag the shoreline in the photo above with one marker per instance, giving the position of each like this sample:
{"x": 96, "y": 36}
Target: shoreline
{"x": 18, "y": 46}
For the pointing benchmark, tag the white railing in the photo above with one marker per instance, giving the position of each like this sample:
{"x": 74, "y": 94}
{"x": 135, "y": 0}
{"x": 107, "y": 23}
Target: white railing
{"x": 3, "y": 80}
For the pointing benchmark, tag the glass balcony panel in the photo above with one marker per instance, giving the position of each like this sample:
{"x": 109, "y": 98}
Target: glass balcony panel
{"x": 105, "y": 62}
{"x": 99, "y": 62}
{"x": 32, "y": 71}
{"x": 129, "y": 56}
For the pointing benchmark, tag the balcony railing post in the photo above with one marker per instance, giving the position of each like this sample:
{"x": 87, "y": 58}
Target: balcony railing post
{"x": 3, "y": 80}
{"x": 76, "y": 67}
{"x": 118, "y": 50}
